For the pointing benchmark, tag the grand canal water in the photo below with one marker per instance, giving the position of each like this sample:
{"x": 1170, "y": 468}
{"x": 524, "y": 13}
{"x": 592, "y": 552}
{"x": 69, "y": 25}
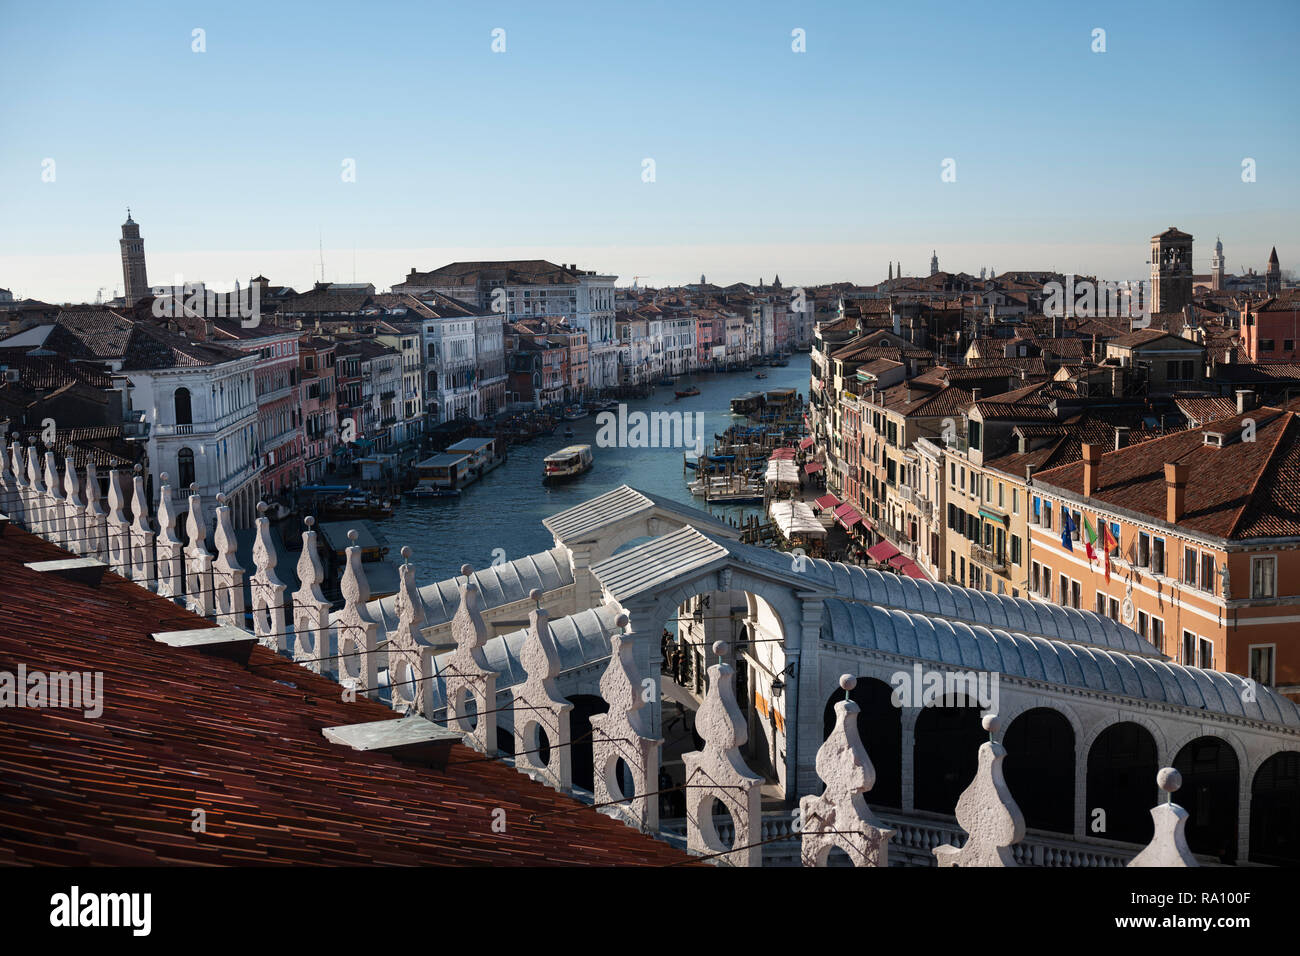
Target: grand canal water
{"x": 504, "y": 510}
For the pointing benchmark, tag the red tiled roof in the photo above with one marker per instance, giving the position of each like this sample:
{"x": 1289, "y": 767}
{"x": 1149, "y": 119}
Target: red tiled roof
{"x": 181, "y": 731}
{"x": 1262, "y": 498}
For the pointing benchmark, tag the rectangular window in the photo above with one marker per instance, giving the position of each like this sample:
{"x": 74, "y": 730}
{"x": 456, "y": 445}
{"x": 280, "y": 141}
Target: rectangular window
{"x": 1047, "y": 515}
{"x": 1076, "y": 595}
{"x": 1015, "y": 501}
{"x": 1144, "y": 550}
{"x": 1263, "y": 577}
{"x": 1112, "y": 608}
{"x": 1261, "y": 665}
{"x": 1114, "y": 533}
{"x": 1002, "y": 495}
{"x": 1101, "y": 602}
{"x": 1064, "y": 590}
{"x": 1158, "y": 633}
{"x": 1207, "y": 572}
{"x": 1015, "y": 549}
{"x": 1189, "y": 649}
{"x": 1157, "y": 555}
{"x": 1288, "y": 345}
{"x": 1207, "y": 653}
{"x": 963, "y": 479}
{"x": 1189, "y": 566}
{"x": 1142, "y": 623}
{"x": 1034, "y": 577}
{"x": 1038, "y": 508}
{"x": 1047, "y": 582}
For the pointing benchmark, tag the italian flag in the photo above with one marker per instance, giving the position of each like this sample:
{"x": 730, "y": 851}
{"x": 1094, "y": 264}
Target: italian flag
{"x": 1108, "y": 544}
{"x": 1089, "y": 539}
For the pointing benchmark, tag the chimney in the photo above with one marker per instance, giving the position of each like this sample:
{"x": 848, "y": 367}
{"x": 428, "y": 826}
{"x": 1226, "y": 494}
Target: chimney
{"x": 1121, "y": 436}
{"x": 1175, "y": 491}
{"x": 1029, "y": 474}
{"x": 1245, "y": 400}
{"x": 1091, "y": 470}
{"x": 975, "y": 394}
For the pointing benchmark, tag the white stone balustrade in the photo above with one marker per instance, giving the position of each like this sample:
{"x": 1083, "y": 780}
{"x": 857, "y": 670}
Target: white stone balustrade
{"x": 269, "y": 616}
{"x": 311, "y": 612}
{"x": 37, "y": 521}
{"x": 623, "y": 733}
{"x": 539, "y": 708}
{"x": 840, "y": 817}
{"x": 470, "y": 685}
{"x": 11, "y": 502}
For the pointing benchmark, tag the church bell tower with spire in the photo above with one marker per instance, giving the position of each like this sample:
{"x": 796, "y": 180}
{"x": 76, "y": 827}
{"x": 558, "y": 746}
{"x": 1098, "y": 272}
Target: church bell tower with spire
{"x": 133, "y": 271}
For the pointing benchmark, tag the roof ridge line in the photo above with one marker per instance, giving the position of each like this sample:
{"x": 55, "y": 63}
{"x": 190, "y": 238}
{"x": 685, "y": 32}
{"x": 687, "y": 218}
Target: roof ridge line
{"x": 1268, "y": 463}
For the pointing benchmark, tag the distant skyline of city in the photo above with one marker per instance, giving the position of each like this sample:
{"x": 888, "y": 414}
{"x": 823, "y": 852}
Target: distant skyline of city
{"x": 247, "y": 136}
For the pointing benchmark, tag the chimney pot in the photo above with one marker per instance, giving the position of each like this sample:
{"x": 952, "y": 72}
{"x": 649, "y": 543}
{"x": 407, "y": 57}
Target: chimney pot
{"x": 1175, "y": 491}
{"x": 1121, "y": 436}
{"x": 1091, "y": 469}
{"x": 1245, "y": 400}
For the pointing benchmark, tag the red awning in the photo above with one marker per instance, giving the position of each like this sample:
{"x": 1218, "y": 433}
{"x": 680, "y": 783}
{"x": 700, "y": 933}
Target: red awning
{"x": 898, "y": 560}
{"x": 882, "y": 552}
{"x": 913, "y": 571}
{"x": 827, "y": 501}
{"x": 813, "y": 467}
{"x": 847, "y": 516}
{"x": 783, "y": 454}
{"x": 806, "y": 443}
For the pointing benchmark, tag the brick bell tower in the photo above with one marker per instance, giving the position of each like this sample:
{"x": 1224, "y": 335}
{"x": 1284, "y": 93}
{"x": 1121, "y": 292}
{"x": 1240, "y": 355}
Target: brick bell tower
{"x": 1171, "y": 271}
{"x": 133, "y": 271}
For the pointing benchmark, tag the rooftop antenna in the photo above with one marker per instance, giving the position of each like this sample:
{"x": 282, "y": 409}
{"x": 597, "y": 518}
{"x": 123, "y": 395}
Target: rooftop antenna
{"x": 320, "y": 244}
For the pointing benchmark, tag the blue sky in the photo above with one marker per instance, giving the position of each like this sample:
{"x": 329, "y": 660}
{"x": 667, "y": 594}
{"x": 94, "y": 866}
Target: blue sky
{"x": 819, "y": 165}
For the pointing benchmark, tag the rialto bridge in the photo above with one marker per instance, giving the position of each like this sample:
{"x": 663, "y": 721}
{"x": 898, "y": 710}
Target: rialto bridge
{"x": 1089, "y": 709}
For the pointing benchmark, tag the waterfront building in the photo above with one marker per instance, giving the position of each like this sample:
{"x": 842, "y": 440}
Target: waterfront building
{"x": 319, "y": 389}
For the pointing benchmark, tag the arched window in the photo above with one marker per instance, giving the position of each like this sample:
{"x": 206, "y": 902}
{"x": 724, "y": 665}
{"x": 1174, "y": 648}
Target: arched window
{"x": 1122, "y": 769}
{"x": 945, "y": 752}
{"x": 181, "y": 404}
{"x": 1209, "y": 795}
{"x": 1039, "y": 769}
{"x": 1275, "y": 811}
{"x": 880, "y": 728}
{"x": 185, "y": 467}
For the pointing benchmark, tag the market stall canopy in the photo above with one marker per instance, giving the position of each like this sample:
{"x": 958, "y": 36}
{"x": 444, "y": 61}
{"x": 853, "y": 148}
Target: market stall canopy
{"x": 796, "y": 519}
{"x": 782, "y": 472}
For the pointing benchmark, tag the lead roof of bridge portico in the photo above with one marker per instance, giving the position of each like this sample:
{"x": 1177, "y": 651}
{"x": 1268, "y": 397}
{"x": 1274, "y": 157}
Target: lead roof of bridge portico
{"x": 498, "y": 585}
{"x": 976, "y": 647}
{"x": 585, "y": 521}
{"x": 984, "y": 607}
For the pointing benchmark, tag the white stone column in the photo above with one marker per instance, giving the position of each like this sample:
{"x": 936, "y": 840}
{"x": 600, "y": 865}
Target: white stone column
{"x": 269, "y": 617}
{"x": 227, "y": 574}
{"x": 539, "y": 705}
{"x": 142, "y": 535}
{"x": 410, "y": 656}
{"x": 311, "y": 612}
{"x": 718, "y": 773}
{"x": 467, "y": 678}
{"x": 171, "y": 552}
{"x": 199, "y": 596}
{"x": 840, "y": 817}
{"x": 358, "y": 666}
{"x": 624, "y": 733}
{"x": 15, "y": 483}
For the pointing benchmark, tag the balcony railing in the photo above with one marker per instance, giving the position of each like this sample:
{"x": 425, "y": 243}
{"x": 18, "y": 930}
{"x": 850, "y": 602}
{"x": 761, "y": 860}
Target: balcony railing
{"x": 988, "y": 558}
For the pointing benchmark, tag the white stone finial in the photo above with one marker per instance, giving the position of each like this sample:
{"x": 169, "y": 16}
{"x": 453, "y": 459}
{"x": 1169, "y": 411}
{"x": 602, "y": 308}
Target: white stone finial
{"x": 170, "y": 549}
{"x": 718, "y": 773}
{"x": 624, "y": 733}
{"x": 840, "y": 817}
{"x": 410, "y": 656}
{"x": 987, "y": 812}
{"x": 357, "y": 629}
{"x": 1168, "y": 846}
{"x": 311, "y": 612}
{"x": 198, "y": 560}
{"x": 270, "y": 620}
{"x": 227, "y": 572}
{"x": 142, "y": 534}
{"x": 470, "y": 684}
{"x": 539, "y": 707}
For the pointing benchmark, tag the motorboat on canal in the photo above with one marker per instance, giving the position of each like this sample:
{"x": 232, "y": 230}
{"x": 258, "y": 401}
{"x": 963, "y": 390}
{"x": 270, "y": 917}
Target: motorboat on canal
{"x": 574, "y": 412}
{"x": 687, "y": 392}
{"x": 567, "y": 464}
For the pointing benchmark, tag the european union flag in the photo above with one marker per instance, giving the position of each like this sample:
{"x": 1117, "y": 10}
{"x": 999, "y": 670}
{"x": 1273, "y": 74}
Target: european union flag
{"x": 1067, "y": 530}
